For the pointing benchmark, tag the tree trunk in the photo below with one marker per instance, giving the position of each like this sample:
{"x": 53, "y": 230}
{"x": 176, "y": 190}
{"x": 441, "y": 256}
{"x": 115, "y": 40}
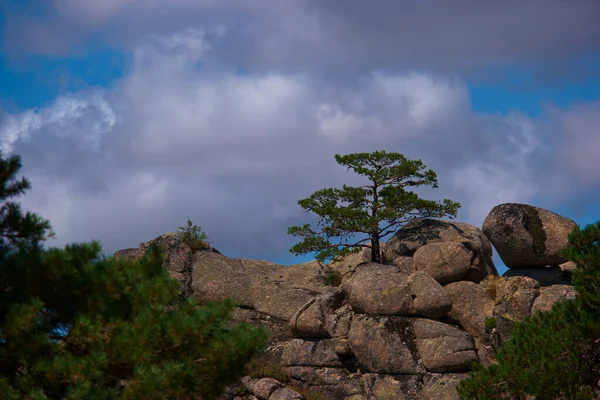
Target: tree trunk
{"x": 375, "y": 253}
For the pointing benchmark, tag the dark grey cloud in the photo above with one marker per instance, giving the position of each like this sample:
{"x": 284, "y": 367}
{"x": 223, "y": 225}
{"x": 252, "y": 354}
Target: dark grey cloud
{"x": 339, "y": 39}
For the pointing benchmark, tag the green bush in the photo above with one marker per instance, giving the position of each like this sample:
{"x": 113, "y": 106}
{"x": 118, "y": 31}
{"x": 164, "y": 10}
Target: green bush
{"x": 193, "y": 236}
{"x": 332, "y": 277}
{"x": 75, "y": 325}
{"x": 555, "y": 354}
{"x": 490, "y": 323}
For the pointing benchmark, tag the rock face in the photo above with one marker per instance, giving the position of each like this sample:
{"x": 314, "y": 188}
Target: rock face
{"x": 384, "y": 290}
{"x": 409, "y": 328}
{"x": 443, "y": 347}
{"x": 444, "y": 261}
{"x": 527, "y": 236}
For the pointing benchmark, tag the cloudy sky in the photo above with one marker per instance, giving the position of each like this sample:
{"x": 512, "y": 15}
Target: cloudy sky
{"x": 131, "y": 115}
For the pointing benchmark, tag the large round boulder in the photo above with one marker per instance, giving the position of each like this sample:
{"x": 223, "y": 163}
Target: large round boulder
{"x": 416, "y": 234}
{"x": 526, "y": 236}
{"x": 444, "y": 261}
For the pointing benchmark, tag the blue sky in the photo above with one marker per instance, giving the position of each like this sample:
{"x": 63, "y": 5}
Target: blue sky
{"x": 129, "y": 118}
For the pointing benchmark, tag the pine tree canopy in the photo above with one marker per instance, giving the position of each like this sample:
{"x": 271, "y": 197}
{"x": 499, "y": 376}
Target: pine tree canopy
{"x": 375, "y": 210}
{"x": 74, "y": 325}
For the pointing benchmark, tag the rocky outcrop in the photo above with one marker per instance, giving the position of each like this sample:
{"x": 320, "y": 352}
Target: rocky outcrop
{"x": 409, "y": 327}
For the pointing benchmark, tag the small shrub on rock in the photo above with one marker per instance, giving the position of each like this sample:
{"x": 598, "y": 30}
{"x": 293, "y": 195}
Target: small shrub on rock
{"x": 193, "y": 236}
{"x": 490, "y": 323}
{"x": 332, "y": 277}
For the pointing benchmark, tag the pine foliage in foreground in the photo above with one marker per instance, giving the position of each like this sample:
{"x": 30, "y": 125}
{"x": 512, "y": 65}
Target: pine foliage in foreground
{"x": 74, "y": 325}
{"x": 554, "y": 354}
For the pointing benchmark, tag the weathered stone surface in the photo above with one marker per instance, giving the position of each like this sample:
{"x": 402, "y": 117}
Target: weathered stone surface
{"x": 216, "y": 277}
{"x": 429, "y": 297}
{"x": 379, "y": 289}
{"x": 382, "y": 387}
{"x": 338, "y": 322}
{"x": 264, "y": 387}
{"x": 443, "y": 347}
{"x": 551, "y": 295}
{"x": 544, "y": 276}
{"x": 337, "y": 380}
{"x": 527, "y": 236}
{"x": 514, "y": 298}
{"x": 279, "y": 290}
{"x": 383, "y": 290}
{"x": 419, "y": 233}
{"x": 249, "y": 383}
{"x": 321, "y": 353}
{"x": 382, "y": 345}
{"x": 442, "y": 387}
{"x": 444, "y": 261}
{"x": 342, "y": 347}
{"x": 309, "y": 321}
{"x": 166, "y": 242}
{"x": 128, "y": 254}
{"x": 486, "y": 348}
{"x": 471, "y": 305}
{"x": 350, "y": 262}
{"x": 286, "y": 394}
{"x": 179, "y": 258}
{"x": 404, "y": 264}
{"x": 267, "y": 287}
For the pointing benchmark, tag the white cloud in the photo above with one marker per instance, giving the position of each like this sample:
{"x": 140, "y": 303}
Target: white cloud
{"x": 85, "y": 118}
{"x": 235, "y": 152}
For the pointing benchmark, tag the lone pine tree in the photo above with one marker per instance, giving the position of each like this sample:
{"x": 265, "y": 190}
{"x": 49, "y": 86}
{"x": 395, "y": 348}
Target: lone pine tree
{"x": 74, "y": 325}
{"x": 555, "y": 354}
{"x": 361, "y": 210}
